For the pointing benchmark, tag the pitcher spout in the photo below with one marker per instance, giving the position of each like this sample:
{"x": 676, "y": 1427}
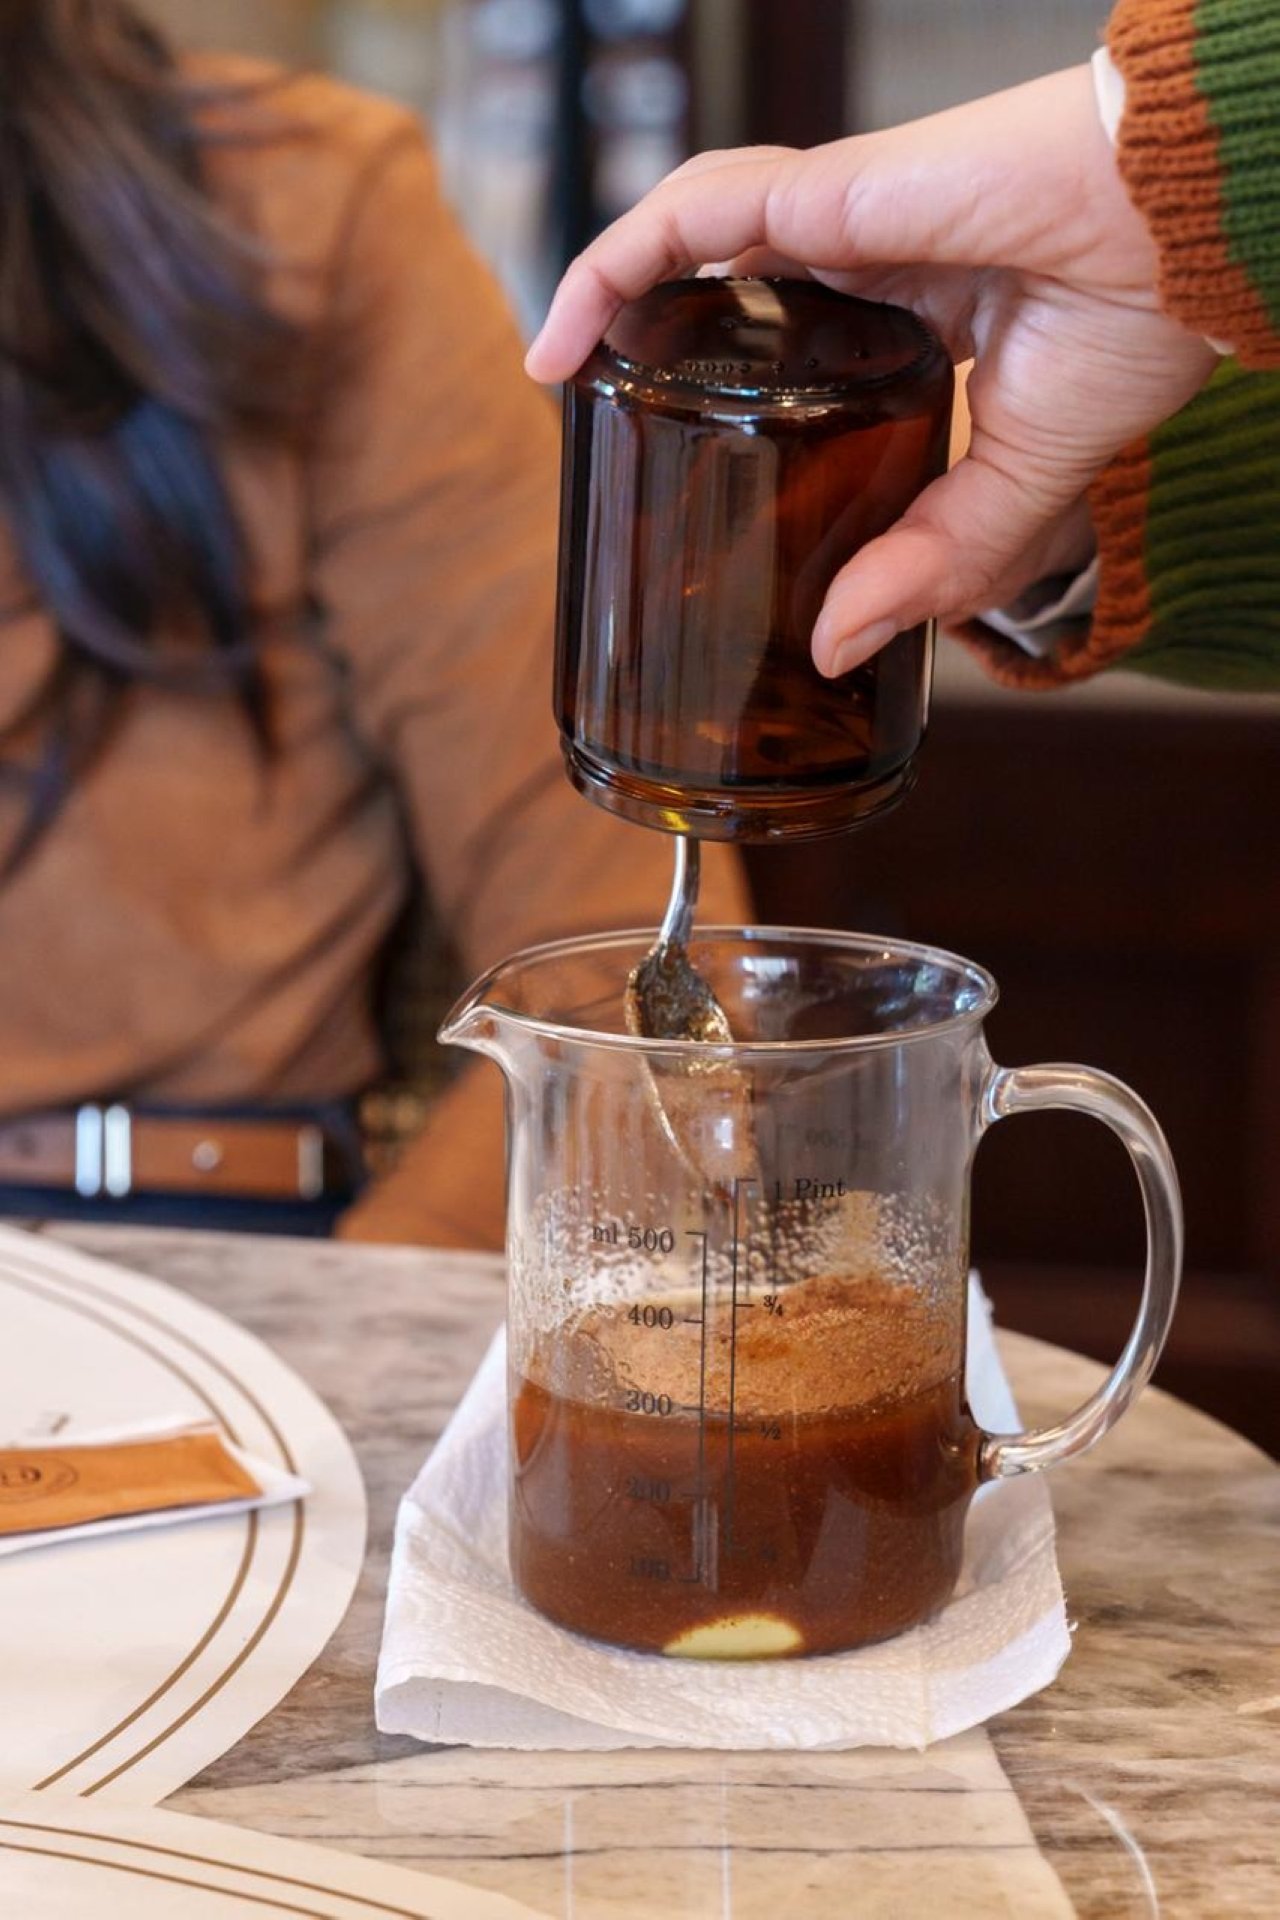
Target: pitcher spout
{"x": 475, "y": 1023}
{"x": 525, "y": 1010}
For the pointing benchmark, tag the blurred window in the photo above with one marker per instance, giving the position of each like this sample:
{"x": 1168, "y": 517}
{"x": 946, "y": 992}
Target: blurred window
{"x": 912, "y": 57}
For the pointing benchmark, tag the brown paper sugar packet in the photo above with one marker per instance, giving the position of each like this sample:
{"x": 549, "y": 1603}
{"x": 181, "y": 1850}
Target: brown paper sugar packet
{"x": 48, "y": 1486}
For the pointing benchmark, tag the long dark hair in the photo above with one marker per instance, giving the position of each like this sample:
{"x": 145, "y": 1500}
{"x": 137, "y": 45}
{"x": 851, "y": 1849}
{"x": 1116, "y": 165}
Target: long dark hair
{"x": 134, "y": 340}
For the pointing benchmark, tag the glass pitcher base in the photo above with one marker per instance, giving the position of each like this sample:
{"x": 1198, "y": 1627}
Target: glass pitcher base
{"x": 725, "y": 1635}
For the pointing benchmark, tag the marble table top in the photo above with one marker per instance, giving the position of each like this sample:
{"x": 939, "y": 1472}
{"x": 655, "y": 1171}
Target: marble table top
{"x": 1145, "y": 1781}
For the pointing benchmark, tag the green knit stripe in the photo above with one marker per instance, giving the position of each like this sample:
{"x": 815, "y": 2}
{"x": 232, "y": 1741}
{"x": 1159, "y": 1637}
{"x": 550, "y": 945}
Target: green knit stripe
{"x": 1215, "y": 584}
{"x": 1237, "y": 61}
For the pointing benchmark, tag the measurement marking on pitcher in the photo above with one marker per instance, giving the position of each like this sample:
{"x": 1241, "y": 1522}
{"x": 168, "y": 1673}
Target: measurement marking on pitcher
{"x": 730, "y": 1478}
{"x": 701, "y": 1509}
{"x": 741, "y": 1291}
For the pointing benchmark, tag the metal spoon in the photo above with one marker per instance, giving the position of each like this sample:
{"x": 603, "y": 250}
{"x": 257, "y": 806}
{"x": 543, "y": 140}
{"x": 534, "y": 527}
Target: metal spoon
{"x": 705, "y": 1106}
{"x": 667, "y": 998}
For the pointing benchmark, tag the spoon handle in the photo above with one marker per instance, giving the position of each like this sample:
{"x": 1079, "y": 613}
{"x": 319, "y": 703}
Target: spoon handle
{"x": 678, "y": 924}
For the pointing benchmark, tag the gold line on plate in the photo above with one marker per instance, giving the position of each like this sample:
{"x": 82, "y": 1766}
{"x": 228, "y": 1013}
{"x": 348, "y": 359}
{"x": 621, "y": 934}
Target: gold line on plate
{"x": 54, "y": 1297}
{"x": 219, "y": 1620}
{"x": 172, "y": 1879}
{"x": 195, "y": 1859}
{"x": 254, "y": 1640}
{"x": 210, "y": 1360}
{"x": 39, "y": 1286}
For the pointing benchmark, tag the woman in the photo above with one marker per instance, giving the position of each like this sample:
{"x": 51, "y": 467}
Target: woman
{"x": 1097, "y": 242}
{"x": 277, "y": 537}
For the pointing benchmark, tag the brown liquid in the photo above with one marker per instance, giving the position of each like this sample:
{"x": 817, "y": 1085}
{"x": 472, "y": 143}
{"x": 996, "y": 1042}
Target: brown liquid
{"x": 708, "y": 504}
{"x": 833, "y": 1500}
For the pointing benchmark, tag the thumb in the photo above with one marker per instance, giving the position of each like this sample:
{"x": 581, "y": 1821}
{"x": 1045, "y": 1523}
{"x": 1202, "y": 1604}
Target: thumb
{"x": 944, "y": 559}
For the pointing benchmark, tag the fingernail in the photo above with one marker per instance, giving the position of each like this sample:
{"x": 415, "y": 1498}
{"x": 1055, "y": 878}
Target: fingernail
{"x": 857, "y": 647}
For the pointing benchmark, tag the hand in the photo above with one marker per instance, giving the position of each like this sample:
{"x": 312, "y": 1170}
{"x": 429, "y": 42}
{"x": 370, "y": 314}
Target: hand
{"x": 1006, "y": 225}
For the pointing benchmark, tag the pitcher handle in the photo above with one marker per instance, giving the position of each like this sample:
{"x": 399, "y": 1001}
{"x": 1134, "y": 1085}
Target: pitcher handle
{"x": 1085, "y": 1090}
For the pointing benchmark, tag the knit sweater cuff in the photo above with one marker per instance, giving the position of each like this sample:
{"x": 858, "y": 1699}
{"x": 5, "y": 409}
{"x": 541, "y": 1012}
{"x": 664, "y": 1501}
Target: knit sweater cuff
{"x": 1189, "y": 591}
{"x": 1199, "y": 153}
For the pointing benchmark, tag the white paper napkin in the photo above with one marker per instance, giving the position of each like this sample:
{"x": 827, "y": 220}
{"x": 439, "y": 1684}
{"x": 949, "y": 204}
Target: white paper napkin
{"x": 277, "y": 1486}
{"x": 466, "y": 1661}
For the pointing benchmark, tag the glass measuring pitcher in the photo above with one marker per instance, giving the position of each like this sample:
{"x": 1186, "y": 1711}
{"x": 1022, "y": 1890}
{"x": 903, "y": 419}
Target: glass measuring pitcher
{"x": 737, "y": 1399}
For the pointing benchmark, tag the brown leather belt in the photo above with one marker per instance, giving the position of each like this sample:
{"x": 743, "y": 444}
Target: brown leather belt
{"x": 111, "y": 1152}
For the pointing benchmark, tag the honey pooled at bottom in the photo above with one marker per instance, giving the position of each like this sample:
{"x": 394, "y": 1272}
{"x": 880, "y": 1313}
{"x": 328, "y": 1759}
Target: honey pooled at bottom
{"x": 827, "y": 1513}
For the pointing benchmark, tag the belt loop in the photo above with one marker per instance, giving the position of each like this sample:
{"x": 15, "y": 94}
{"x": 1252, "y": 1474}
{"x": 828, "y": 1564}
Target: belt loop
{"x": 117, "y": 1152}
{"x": 310, "y": 1163}
{"x": 89, "y": 1153}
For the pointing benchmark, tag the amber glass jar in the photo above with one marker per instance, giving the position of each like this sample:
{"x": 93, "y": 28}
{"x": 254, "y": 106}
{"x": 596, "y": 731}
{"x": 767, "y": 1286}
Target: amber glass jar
{"x": 728, "y": 447}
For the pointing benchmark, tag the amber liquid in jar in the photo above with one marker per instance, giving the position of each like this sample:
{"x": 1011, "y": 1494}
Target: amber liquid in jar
{"x": 801, "y": 1489}
{"x": 730, "y": 445}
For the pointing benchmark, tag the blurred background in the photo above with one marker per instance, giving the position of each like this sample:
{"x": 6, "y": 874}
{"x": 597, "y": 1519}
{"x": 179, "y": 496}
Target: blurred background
{"x": 1110, "y": 853}
{"x": 551, "y": 116}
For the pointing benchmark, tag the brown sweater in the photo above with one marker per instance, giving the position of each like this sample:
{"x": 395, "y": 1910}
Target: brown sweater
{"x": 201, "y": 925}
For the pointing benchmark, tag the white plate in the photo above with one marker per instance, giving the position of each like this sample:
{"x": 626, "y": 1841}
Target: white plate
{"x": 63, "y": 1860}
{"x": 129, "y": 1663}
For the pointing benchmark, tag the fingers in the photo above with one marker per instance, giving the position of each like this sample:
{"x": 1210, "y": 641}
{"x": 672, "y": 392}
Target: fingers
{"x": 991, "y": 183}
{"x": 829, "y": 207}
{"x": 726, "y": 157}
{"x": 656, "y": 241}
{"x": 589, "y": 295}
{"x": 952, "y": 555}
{"x": 761, "y": 263}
